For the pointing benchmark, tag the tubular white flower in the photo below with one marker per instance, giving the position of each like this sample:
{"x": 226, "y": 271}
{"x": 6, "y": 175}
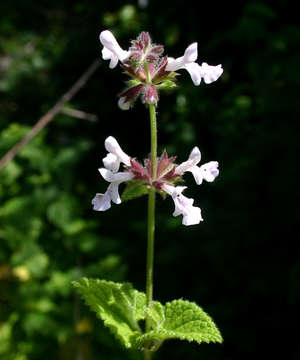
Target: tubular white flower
{"x": 102, "y": 202}
{"x": 210, "y": 73}
{"x": 183, "y": 205}
{"x": 112, "y": 50}
{"x": 208, "y": 171}
{"x": 187, "y": 61}
{"x": 115, "y": 155}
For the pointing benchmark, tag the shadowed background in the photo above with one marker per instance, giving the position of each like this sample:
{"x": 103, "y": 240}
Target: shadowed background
{"x": 240, "y": 264}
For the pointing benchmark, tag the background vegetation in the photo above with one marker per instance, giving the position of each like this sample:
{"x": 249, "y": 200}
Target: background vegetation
{"x": 240, "y": 264}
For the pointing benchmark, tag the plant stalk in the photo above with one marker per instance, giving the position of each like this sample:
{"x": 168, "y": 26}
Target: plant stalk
{"x": 151, "y": 215}
{"x": 151, "y": 223}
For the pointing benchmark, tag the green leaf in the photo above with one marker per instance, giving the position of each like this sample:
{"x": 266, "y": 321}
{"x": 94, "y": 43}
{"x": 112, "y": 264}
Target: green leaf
{"x": 118, "y": 305}
{"x": 121, "y": 307}
{"x": 179, "y": 319}
{"x": 156, "y": 312}
{"x": 133, "y": 190}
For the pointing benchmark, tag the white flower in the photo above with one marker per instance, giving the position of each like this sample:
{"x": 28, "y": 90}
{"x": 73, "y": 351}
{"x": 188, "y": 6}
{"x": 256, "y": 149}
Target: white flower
{"x": 190, "y": 56}
{"x": 187, "y": 61}
{"x": 208, "y": 171}
{"x": 115, "y": 155}
{"x": 102, "y": 202}
{"x": 183, "y": 205}
{"x": 112, "y": 50}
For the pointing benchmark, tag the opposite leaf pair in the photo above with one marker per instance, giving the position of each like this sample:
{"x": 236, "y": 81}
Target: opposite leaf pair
{"x": 122, "y": 309}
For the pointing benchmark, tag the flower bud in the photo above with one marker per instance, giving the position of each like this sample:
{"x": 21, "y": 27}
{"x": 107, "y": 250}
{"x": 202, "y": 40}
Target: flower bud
{"x": 123, "y": 104}
{"x": 150, "y": 95}
{"x": 144, "y": 39}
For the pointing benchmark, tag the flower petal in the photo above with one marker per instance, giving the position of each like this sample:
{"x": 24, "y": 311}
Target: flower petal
{"x": 197, "y": 173}
{"x": 173, "y": 190}
{"x": 170, "y": 64}
{"x": 112, "y": 146}
{"x": 191, "y": 53}
{"x": 101, "y": 202}
{"x": 211, "y": 73}
{"x": 112, "y": 177}
{"x": 192, "y": 217}
{"x": 106, "y": 54}
{"x": 210, "y": 170}
{"x": 110, "y": 44}
{"x": 111, "y": 162}
{"x": 114, "y": 192}
{"x": 194, "y": 159}
{"x": 194, "y": 70}
{"x": 113, "y": 61}
{"x": 174, "y": 64}
{"x": 183, "y": 205}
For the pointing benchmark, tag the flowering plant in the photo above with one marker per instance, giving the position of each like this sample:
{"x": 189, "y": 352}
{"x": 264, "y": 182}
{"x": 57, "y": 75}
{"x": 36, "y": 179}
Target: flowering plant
{"x": 121, "y": 307}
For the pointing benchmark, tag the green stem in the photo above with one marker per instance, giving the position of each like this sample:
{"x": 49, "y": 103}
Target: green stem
{"x": 151, "y": 215}
{"x": 150, "y": 258}
{"x": 153, "y": 127}
{"x": 150, "y": 251}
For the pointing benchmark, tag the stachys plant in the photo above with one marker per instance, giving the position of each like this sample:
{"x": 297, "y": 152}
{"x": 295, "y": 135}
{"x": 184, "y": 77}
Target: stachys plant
{"x": 121, "y": 307}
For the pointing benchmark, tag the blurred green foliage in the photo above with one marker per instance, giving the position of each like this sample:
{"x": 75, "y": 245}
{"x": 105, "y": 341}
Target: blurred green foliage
{"x": 240, "y": 264}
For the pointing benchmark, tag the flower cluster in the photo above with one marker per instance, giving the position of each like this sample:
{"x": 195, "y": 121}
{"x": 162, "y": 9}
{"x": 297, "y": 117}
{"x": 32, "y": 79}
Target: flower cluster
{"x": 167, "y": 174}
{"x": 149, "y": 70}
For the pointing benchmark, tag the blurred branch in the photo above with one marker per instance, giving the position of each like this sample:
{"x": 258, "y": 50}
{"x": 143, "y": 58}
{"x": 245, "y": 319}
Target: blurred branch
{"x": 79, "y": 114}
{"x": 44, "y": 120}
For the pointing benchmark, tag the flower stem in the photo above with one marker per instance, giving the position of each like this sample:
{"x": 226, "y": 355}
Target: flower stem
{"x": 150, "y": 250}
{"x": 151, "y": 213}
{"x": 150, "y": 257}
{"x": 151, "y": 223}
{"x": 153, "y": 127}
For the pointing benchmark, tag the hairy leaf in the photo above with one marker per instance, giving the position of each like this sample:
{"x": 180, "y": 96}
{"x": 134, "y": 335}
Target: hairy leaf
{"x": 179, "y": 319}
{"x": 118, "y": 305}
{"x": 121, "y": 307}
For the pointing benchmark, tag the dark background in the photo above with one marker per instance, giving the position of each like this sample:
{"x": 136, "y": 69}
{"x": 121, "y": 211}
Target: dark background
{"x": 240, "y": 264}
